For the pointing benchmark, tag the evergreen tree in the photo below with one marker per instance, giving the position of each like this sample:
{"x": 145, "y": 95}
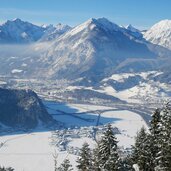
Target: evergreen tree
{"x": 155, "y": 123}
{"x": 6, "y": 169}
{"x": 152, "y": 152}
{"x": 96, "y": 158}
{"x": 141, "y": 153}
{"x": 85, "y": 159}
{"x": 154, "y": 137}
{"x": 65, "y": 166}
{"x": 55, "y": 156}
{"x": 126, "y": 164}
{"x": 109, "y": 159}
{"x": 164, "y": 139}
{"x": 113, "y": 163}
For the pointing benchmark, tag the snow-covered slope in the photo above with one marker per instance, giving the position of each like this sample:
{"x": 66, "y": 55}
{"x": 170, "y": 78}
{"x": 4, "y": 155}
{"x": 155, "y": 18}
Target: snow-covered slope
{"x": 160, "y": 34}
{"x": 18, "y": 31}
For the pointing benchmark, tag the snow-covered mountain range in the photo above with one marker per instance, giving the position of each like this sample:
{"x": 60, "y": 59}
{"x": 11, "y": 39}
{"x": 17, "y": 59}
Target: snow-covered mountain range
{"x": 17, "y": 31}
{"x": 89, "y": 52}
{"x": 92, "y": 50}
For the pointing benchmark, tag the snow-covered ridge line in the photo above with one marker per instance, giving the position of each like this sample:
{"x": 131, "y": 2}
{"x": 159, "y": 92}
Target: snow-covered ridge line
{"x": 18, "y": 31}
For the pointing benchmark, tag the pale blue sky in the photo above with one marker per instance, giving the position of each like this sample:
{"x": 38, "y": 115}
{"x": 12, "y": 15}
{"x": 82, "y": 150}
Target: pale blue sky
{"x": 140, "y": 13}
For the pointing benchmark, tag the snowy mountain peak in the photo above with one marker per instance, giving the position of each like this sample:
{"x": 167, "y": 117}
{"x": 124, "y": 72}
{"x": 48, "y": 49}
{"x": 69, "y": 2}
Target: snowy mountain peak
{"x": 108, "y": 24}
{"x": 164, "y": 23}
{"x": 17, "y": 20}
{"x": 134, "y": 31}
{"x": 131, "y": 28}
{"x": 160, "y": 34}
{"x": 92, "y": 23}
{"x": 87, "y": 23}
{"x": 103, "y": 23}
{"x": 162, "y": 26}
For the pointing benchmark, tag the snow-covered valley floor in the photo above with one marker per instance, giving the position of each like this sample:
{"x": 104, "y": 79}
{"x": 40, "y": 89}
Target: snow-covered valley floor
{"x": 34, "y": 151}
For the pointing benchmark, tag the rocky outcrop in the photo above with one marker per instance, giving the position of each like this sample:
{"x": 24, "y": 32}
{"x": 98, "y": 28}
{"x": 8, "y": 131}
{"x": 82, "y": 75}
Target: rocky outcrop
{"x": 22, "y": 108}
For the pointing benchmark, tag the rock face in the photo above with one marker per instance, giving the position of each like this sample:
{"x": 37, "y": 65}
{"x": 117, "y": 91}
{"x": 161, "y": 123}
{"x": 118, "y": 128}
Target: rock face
{"x": 22, "y": 108}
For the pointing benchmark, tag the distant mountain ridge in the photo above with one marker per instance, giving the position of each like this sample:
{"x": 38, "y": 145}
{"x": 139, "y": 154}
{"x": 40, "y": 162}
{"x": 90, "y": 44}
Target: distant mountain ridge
{"x": 17, "y": 31}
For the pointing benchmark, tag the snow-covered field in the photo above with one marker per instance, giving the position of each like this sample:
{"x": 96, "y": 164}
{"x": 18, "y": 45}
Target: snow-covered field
{"x": 34, "y": 151}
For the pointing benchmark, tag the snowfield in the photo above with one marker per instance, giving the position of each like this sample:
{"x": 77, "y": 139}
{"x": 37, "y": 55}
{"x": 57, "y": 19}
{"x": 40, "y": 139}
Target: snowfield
{"x": 27, "y": 151}
{"x": 35, "y": 150}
